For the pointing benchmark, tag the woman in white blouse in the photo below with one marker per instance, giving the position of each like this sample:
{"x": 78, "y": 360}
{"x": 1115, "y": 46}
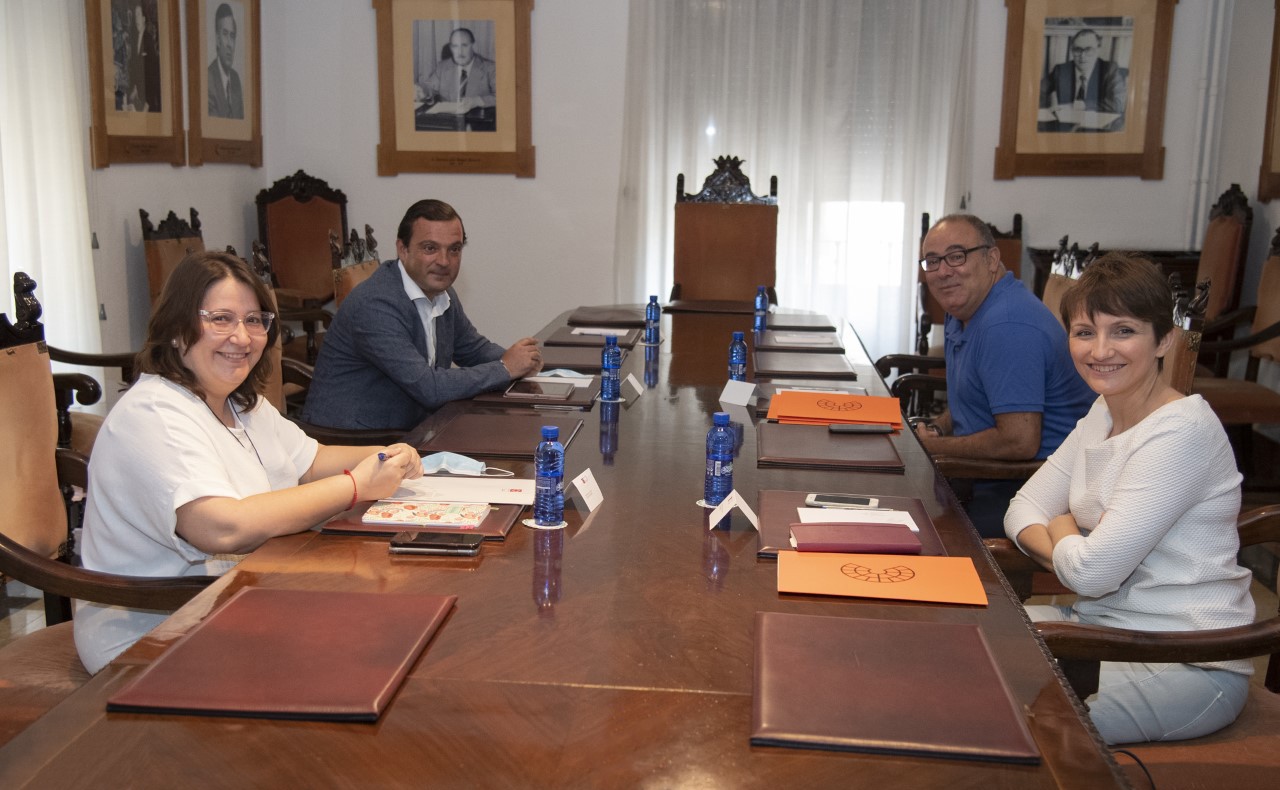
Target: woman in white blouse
{"x": 1136, "y": 511}
{"x": 193, "y": 466}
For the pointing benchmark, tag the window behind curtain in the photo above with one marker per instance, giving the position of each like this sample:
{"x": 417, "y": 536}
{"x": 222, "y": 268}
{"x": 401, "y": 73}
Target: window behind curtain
{"x": 854, "y": 106}
{"x": 44, "y": 215}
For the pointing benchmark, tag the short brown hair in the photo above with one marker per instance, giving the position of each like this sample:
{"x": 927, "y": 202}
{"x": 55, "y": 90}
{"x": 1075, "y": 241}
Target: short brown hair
{"x": 176, "y": 317}
{"x": 1122, "y": 284}
{"x": 431, "y": 211}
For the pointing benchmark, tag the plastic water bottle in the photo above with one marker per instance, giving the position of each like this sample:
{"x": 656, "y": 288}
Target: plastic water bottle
{"x": 762, "y": 309}
{"x": 738, "y": 357}
{"x": 610, "y": 362}
{"x": 548, "y": 464}
{"x": 652, "y": 315}
{"x": 719, "y": 480}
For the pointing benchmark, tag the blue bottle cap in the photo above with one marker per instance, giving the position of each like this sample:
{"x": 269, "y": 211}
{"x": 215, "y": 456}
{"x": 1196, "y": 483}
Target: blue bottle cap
{"x": 611, "y": 340}
{"x": 653, "y": 297}
{"x": 739, "y": 336}
{"x": 761, "y": 288}
{"x": 550, "y": 433}
{"x": 719, "y": 418}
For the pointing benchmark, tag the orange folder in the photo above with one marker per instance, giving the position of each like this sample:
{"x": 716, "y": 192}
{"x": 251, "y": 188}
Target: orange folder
{"x": 824, "y": 408}
{"x": 896, "y": 576}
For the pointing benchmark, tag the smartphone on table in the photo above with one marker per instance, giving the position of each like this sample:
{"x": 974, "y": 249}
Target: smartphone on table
{"x": 453, "y": 544}
{"x": 851, "y": 501}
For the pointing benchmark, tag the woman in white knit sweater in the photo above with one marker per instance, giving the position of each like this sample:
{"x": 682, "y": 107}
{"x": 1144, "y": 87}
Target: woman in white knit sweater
{"x": 1136, "y": 511}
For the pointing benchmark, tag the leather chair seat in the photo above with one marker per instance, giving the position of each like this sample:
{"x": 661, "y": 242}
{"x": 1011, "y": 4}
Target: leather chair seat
{"x": 1239, "y": 402}
{"x": 36, "y": 673}
{"x": 1244, "y": 755}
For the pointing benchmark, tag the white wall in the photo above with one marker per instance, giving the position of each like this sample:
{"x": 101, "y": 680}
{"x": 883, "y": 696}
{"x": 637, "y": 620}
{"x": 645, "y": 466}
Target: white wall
{"x": 544, "y": 242}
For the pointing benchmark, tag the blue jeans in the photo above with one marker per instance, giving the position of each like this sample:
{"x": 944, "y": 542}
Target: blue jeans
{"x": 1139, "y": 702}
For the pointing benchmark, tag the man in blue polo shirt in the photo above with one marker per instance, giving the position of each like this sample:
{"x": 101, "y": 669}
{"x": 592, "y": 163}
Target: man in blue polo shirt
{"x": 1012, "y": 390}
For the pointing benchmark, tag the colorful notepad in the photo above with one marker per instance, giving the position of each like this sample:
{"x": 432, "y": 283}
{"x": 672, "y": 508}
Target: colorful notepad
{"x": 453, "y": 515}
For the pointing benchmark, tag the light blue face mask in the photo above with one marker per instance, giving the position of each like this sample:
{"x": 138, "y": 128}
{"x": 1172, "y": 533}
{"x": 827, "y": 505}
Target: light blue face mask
{"x": 456, "y": 464}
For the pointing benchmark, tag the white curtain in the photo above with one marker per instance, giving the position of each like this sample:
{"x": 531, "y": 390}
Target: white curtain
{"x": 856, "y": 107}
{"x": 44, "y": 214}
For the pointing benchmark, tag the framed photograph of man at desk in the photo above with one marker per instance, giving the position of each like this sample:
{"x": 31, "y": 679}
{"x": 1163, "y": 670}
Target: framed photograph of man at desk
{"x": 135, "y": 90}
{"x": 453, "y": 86}
{"x": 1084, "y": 88}
{"x": 1269, "y": 177}
{"x": 224, "y": 68}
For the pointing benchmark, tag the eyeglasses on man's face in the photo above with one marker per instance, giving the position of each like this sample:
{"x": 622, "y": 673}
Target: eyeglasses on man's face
{"x": 224, "y": 322}
{"x": 954, "y": 259}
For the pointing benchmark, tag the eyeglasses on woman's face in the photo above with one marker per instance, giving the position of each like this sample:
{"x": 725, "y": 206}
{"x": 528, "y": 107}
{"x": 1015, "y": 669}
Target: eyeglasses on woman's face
{"x": 224, "y": 322}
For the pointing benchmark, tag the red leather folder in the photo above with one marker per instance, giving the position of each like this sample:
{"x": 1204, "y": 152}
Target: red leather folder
{"x": 855, "y": 538}
{"x": 888, "y": 686}
{"x": 291, "y": 654}
{"x": 777, "y": 511}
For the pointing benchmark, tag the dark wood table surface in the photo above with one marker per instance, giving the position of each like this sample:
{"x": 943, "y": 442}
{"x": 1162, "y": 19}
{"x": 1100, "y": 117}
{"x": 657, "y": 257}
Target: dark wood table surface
{"x": 615, "y": 653}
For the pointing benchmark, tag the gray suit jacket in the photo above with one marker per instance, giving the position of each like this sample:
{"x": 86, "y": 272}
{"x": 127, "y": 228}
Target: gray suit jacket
{"x": 372, "y": 371}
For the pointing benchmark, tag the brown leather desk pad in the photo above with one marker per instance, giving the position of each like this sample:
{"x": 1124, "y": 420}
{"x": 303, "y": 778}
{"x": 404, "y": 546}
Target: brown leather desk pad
{"x": 291, "y": 654}
{"x": 621, "y": 315}
{"x": 581, "y": 397}
{"x": 802, "y": 365}
{"x": 777, "y": 512}
{"x": 855, "y": 684}
{"x": 814, "y": 447}
{"x": 709, "y": 306}
{"x": 499, "y": 435}
{"x": 579, "y": 358}
{"x": 776, "y": 340}
{"x": 495, "y": 526}
{"x": 800, "y": 322}
{"x": 564, "y": 336}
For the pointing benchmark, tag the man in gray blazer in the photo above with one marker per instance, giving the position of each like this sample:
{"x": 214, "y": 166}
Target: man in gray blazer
{"x": 387, "y": 359}
{"x": 226, "y": 99}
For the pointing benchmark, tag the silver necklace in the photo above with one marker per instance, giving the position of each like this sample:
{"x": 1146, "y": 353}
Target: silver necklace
{"x": 233, "y": 433}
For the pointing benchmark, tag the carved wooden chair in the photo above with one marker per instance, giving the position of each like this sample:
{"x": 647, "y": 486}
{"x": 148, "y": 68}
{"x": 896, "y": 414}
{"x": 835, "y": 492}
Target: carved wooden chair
{"x": 726, "y": 240}
{"x": 295, "y": 216}
{"x": 1222, "y": 262}
{"x": 1242, "y": 403}
{"x": 352, "y": 263}
{"x": 165, "y": 246}
{"x": 39, "y": 670}
{"x": 1244, "y": 754}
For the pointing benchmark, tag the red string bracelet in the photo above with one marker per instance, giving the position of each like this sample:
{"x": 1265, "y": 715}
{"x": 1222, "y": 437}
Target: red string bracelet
{"x": 355, "y": 491}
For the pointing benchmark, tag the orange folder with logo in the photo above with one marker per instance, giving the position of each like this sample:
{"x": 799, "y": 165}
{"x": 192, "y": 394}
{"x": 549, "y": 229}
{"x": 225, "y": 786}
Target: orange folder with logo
{"x": 824, "y": 408}
{"x": 896, "y": 576}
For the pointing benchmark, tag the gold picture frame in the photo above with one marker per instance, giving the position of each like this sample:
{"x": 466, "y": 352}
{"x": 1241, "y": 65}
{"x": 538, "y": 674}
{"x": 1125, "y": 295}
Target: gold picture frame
{"x": 453, "y": 86}
{"x": 224, "y": 123}
{"x": 135, "y": 90}
{"x": 1269, "y": 173}
{"x": 1084, "y": 88}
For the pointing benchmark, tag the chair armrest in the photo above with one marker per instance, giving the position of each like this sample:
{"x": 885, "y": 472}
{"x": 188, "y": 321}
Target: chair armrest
{"x": 349, "y": 436}
{"x": 1259, "y": 525}
{"x": 1016, "y": 566}
{"x": 1224, "y": 325}
{"x": 294, "y": 371}
{"x": 124, "y": 361}
{"x": 59, "y": 578}
{"x": 907, "y": 363}
{"x": 73, "y": 468}
{"x": 985, "y": 468}
{"x": 81, "y": 387}
{"x": 1235, "y": 344}
{"x": 1081, "y": 642}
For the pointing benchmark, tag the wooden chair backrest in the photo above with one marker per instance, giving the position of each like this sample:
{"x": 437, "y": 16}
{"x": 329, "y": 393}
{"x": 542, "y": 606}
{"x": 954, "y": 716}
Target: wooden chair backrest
{"x": 1179, "y": 368}
{"x": 353, "y": 262}
{"x": 348, "y": 277}
{"x": 1222, "y": 256}
{"x": 726, "y": 237}
{"x": 295, "y": 216}
{"x": 1054, "y": 289}
{"x": 33, "y": 513}
{"x": 165, "y": 246}
{"x": 1268, "y": 309}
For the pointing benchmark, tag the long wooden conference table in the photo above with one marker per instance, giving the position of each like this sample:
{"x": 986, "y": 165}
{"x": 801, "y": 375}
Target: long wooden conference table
{"x": 615, "y": 653}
